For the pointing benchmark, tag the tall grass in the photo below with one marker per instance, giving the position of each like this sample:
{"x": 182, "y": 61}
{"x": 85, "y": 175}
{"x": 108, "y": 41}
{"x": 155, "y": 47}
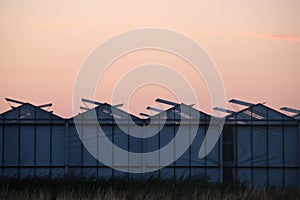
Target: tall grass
{"x": 80, "y": 188}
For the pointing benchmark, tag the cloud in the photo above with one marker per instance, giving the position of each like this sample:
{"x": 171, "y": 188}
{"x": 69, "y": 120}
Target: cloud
{"x": 290, "y": 37}
{"x": 267, "y": 36}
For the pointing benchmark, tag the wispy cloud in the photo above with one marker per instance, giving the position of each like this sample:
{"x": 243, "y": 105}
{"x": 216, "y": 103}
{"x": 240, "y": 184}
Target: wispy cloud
{"x": 290, "y": 37}
{"x": 268, "y": 36}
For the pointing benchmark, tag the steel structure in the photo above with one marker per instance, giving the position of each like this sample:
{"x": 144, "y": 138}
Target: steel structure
{"x": 258, "y": 146}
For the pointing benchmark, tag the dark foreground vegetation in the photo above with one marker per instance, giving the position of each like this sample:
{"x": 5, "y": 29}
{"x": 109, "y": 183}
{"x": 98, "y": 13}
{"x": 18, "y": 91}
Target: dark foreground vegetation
{"x": 78, "y": 188}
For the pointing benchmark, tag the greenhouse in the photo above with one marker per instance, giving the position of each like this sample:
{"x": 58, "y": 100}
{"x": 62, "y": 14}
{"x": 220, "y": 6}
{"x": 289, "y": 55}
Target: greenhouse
{"x": 258, "y": 145}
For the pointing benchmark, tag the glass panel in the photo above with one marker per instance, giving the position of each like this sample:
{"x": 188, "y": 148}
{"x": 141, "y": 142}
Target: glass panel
{"x": 12, "y": 114}
{"x": 11, "y": 145}
{"x": 27, "y": 112}
{"x": 182, "y": 173}
{"x": 104, "y": 113}
{"x": 58, "y": 172}
{"x": 167, "y": 173}
{"x": 275, "y": 146}
{"x": 243, "y": 115}
{"x": 109, "y": 134}
{"x": 195, "y": 148}
{"x": 276, "y": 177}
{"x": 75, "y": 171}
{"x": 74, "y": 147}
{"x": 42, "y": 172}
{"x": 259, "y": 178}
{"x": 42, "y": 145}
{"x": 89, "y": 172}
{"x": 105, "y": 173}
{"x": 183, "y": 160}
{"x": 121, "y": 140}
{"x": 166, "y": 135}
{"x": 212, "y": 158}
{"x": 120, "y": 174}
{"x": 229, "y": 174}
{"x": 243, "y": 145}
{"x": 291, "y": 177}
{"x": 259, "y": 112}
{"x": 290, "y": 144}
{"x": 197, "y": 172}
{"x": 274, "y": 115}
{"x": 90, "y": 139}
{"x": 10, "y": 172}
{"x": 27, "y": 145}
{"x": 26, "y": 172}
{"x": 152, "y": 144}
{"x": 42, "y": 114}
{"x": 245, "y": 175}
{"x": 151, "y": 175}
{"x": 260, "y": 146}
{"x": 58, "y": 145}
{"x": 213, "y": 174}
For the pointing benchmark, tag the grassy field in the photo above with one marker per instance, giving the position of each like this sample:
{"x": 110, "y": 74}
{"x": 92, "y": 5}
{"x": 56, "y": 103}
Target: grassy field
{"x": 76, "y": 188}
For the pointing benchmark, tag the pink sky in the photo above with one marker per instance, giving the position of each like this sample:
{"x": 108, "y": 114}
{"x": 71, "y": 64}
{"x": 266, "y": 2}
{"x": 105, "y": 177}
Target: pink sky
{"x": 255, "y": 45}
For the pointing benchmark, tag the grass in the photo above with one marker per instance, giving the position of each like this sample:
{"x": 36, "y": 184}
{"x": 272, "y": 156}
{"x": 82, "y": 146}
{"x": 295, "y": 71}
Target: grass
{"x": 79, "y": 188}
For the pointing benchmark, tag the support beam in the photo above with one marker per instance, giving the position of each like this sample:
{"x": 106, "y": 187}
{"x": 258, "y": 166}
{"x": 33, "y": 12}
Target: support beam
{"x": 84, "y": 108}
{"x": 45, "y": 105}
{"x": 144, "y": 115}
{"x": 13, "y": 101}
{"x": 166, "y": 102}
{"x": 91, "y": 101}
{"x": 223, "y": 110}
{"x": 118, "y": 105}
{"x": 154, "y": 109}
{"x": 291, "y": 110}
{"x": 239, "y": 102}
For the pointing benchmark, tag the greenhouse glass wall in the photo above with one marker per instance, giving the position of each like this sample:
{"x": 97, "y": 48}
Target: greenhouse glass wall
{"x": 261, "y": 147}
{"x": 258, "y": 145}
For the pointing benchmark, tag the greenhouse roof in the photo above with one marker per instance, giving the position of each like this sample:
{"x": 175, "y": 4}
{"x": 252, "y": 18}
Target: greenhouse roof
{"x": 258, "y": 112}
{"x": 181, "y": 111}
{"x": 28, "y": 111}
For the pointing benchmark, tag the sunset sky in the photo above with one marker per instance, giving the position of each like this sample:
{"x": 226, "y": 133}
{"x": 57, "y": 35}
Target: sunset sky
{"x": 254, "y": 44}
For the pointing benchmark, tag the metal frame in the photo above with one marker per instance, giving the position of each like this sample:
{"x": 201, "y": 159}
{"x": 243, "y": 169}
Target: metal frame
{"x": 265, "y": 123}
{"x": 233, "y": 123}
